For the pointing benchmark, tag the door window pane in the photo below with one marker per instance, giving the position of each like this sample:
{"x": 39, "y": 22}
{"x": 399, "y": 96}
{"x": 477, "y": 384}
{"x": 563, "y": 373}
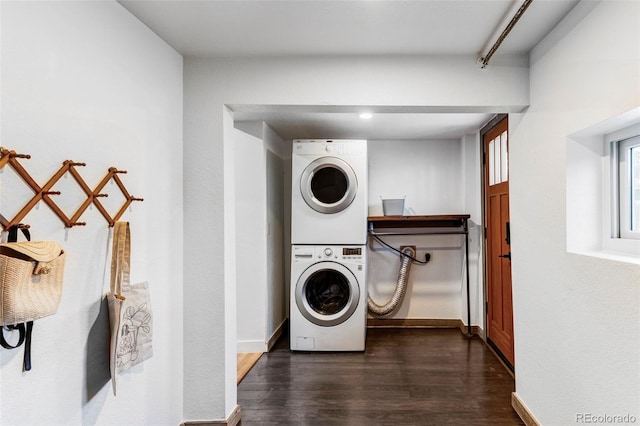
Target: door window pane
{"x": 492, "y": 176}
{"x": 496, "y": 164}
{"x": 504, "y": 157}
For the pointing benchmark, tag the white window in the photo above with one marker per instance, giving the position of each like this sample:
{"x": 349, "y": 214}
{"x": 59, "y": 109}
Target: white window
{"x": 603, "y": 189}
{"x": 626, "y": 174}
{"x": 498, "y": 160}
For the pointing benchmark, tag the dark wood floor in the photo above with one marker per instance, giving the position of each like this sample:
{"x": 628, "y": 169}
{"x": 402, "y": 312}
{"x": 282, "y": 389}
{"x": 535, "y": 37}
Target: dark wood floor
{"x": 405, "y": 377}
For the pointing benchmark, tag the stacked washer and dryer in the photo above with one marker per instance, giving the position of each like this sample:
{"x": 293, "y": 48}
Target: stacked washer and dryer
{"x": 328, "y": 236}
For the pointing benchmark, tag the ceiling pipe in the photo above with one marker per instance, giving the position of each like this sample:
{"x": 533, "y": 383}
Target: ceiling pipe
{"x": 483, "y": 61}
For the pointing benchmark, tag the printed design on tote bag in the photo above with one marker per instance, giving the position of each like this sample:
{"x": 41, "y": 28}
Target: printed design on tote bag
{"x": 134, "y": 321}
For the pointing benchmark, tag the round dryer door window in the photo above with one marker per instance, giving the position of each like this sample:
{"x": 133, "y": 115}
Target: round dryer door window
{"x": 328, "y": 185}
{"x": 327, "y": 293}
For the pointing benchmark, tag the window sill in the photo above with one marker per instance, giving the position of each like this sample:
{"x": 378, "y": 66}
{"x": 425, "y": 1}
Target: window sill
{"x": 623, "y": 248}
{"x": 619, "y": 250}
{"x": 611, "y": 256}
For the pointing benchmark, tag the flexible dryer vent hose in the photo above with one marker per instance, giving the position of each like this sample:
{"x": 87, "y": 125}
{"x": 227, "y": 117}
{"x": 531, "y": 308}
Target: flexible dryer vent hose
{"x": 401, "y": 286}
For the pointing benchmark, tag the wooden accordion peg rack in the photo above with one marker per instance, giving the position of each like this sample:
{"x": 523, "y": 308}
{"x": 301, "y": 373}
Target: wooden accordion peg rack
{"x": 46, "y": 192}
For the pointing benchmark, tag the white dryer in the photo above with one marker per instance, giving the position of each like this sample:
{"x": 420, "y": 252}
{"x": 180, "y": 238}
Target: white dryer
{"x": 328, "y": 298}
{"x": 329, "y": 192}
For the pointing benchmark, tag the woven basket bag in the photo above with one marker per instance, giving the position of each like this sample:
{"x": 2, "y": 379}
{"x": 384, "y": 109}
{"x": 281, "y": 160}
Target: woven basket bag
{"x": 31, "y": 276}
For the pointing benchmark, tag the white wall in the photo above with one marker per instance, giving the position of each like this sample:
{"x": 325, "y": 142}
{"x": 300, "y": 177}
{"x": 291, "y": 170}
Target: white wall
{"x": 87, "y": 81}
{"x": 446, "y": 84}
{"x": 472, "y": 205}
{"x": 209, "y": 341}
{"x": 437, "y": 177}
{"x": 260, "y": 217}
{"x": 251, "y": 241}
{"x": 430, "y": 174}
{"x": 277, "y": 306}
{"x": 577, "y": 318}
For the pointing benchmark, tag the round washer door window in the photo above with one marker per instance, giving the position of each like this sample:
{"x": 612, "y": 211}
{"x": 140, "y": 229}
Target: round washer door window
{"x": 328, "y": 185}
{"x": 327, "y": 294}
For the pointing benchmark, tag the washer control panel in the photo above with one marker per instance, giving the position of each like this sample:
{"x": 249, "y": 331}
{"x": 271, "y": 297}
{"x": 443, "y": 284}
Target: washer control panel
{"x": 335, "y": 253}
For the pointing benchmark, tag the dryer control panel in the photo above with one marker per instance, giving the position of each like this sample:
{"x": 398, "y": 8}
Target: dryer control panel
{"x": 330, "y": 147}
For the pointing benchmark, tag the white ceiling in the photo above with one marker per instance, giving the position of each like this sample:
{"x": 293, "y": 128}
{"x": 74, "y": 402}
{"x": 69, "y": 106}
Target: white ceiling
{"x": 210, "y": 28}
{"x": 344, "y": 123}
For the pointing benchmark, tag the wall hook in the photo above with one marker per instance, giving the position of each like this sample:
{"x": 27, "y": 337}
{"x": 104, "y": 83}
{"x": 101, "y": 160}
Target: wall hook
{"x": 13, "y": 154}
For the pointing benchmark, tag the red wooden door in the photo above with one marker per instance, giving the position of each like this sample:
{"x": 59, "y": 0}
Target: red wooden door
{"x": 498, "y": 249}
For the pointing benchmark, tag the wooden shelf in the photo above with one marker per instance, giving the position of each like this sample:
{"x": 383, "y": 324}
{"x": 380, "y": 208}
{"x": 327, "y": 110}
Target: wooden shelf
{"x": 433, "y": 221}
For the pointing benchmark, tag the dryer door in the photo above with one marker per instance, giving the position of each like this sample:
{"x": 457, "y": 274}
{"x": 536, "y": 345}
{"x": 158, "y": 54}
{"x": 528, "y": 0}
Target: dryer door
{"x": 327, "y": 293}
{"x": 328, "y": 185}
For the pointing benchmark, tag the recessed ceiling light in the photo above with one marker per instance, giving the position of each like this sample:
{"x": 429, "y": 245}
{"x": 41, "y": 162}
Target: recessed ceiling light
{"x": 365, "y": 115}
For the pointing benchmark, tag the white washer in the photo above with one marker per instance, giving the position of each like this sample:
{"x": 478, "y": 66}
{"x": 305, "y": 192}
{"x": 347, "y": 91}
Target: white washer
{"x": 328, "y": 298}
{"x": 329, "y": 192}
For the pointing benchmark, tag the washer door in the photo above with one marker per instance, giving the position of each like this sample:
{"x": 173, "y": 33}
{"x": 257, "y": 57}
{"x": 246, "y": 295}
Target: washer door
{"x": 328, "y": 185}
{"x": 327, "y": 293}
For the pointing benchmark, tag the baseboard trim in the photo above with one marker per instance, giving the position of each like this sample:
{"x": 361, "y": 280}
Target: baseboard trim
{"x": 276, "y": 335}
{"x": 475, "y": 330}
{"x": 420, "y": 323}
{"x": 523, "y": 411}
{"x": 233, "y": 419}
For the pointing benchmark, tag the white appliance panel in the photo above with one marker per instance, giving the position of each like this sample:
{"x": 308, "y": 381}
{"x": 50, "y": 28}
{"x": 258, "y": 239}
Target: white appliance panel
{"x": 328, "y": 298}
{"x": 329, "y": 192}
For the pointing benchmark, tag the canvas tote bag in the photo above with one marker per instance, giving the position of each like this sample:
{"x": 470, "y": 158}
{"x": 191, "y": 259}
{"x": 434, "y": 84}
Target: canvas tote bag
{"x": 130, "y": 315}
